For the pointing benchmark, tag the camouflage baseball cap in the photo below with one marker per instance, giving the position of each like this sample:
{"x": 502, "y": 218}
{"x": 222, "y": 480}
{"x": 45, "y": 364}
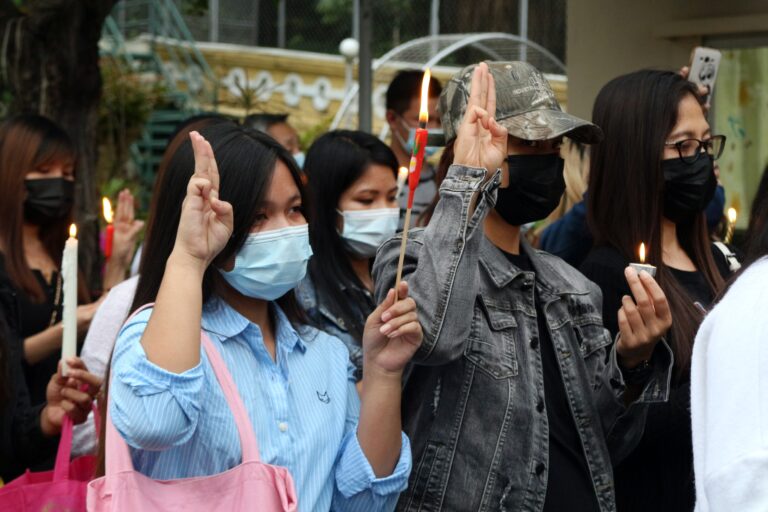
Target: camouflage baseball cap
{"x": 525, "y": 105}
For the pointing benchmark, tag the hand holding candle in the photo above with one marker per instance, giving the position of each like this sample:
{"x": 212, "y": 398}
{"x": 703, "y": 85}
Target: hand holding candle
{"x": 414, "y": 172}
{"x": 732, "y": 216}
{"x": 642, "y": 265}
{"x": 69, "y": 278}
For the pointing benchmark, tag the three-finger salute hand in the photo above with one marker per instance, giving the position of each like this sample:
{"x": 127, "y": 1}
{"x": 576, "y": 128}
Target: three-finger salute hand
{"x": 206, "y": 221}
{"x": 481, "y": 141}
{"x": 642, "y": 321}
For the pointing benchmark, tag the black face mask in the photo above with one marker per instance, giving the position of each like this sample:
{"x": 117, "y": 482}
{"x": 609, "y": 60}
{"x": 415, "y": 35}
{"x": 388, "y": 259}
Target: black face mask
{"x": 688, "y": 188}
{"x": 536, "y": 185}
{"x": 48, "y": 199}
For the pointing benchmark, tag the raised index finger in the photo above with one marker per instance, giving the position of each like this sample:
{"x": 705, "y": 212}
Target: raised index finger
{"x": 201, "y": 156}
{"x": 474, "y": 89}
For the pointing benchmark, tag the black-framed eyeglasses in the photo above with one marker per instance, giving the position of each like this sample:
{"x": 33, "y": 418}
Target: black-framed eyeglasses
{"x": 690, "y": 149}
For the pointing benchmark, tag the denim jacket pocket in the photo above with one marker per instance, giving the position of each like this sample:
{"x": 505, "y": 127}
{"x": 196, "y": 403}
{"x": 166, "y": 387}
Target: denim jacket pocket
{"x": 425, "y": 492}
{"x": 592, "y": 337}
{"x": 491, "y": 343}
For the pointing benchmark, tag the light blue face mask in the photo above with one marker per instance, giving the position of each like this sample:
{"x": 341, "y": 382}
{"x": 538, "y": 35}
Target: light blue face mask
{"x": 365, "y": 230}
{"x": 299, "y": 157}
{"x": 408, "y": 144}
{"x": 271, "y": 263}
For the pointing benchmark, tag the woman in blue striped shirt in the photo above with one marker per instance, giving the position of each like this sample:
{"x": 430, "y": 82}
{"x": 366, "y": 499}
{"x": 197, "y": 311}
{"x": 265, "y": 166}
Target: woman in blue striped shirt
{"x": 229, "y": 268}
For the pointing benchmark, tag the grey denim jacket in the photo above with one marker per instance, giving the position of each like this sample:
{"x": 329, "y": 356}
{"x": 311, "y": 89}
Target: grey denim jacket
{"x": 472, "y": 397}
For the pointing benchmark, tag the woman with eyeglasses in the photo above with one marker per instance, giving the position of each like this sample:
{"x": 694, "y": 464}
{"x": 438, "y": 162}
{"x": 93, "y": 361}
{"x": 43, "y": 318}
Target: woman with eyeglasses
{"x": 650, "y": 182}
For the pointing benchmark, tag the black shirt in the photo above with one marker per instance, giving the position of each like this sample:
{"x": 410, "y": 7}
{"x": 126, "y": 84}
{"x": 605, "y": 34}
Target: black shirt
{"x": 569, "y": 485}
{"x": 30, "y": 318}
{"x": 22, "y": 443}
{"x": 658, "y": 474}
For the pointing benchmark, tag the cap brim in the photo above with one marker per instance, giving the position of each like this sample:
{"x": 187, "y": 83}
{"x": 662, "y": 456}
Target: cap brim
{"x": 550, "y": 124}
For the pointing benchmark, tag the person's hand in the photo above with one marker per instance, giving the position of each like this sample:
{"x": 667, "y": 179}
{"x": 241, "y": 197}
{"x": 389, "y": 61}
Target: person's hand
{"x": 85, "y": 314}
{"x": 206, "y": 221}
{"x": 72, "y": 396}
{"x": 392, "y": 334}
{"x": 127, "y": 229}
{"x": 704, "y": 91}
{"x": 481, "y": 142}
{"x": 642, "y": 322}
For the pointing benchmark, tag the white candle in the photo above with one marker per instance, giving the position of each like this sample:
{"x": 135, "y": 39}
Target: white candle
{"x": 69, "y": 277}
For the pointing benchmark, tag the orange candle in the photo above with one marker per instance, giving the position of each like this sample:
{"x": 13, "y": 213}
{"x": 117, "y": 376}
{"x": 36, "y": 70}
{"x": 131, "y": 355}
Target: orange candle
{"x": 110, "y": 231}
{"x": 420, "y": 141}
{"x": 414, "y": 172}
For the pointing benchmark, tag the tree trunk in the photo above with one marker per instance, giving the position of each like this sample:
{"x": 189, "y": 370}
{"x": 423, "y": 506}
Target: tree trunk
{"x": 49, "y": 65}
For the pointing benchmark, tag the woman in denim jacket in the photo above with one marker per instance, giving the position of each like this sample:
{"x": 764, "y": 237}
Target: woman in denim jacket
{"x": 351, "y": 180}
{"x": 516, "y": 399}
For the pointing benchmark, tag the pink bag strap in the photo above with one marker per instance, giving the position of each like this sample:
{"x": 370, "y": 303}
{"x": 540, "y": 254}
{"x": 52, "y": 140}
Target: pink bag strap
{"x": 118, "y": 456}
{"x": 248, "y": 442}
{"x": 61, "y": 468}
{"x": 64, "y": 452}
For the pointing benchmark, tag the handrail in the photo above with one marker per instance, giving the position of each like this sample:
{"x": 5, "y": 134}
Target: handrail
{"x": 169, "y": 40}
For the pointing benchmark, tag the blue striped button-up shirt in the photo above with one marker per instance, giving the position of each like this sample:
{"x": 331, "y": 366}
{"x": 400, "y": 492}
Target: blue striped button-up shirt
{"x": 304, "y": 409}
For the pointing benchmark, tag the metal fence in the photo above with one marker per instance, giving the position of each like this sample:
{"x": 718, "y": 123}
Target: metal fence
{"x": 320, "y": 25}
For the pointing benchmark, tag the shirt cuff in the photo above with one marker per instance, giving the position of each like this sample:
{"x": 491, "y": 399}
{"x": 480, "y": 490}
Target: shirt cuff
{"x": 354, "y": 473}
{"x": 461, "y": 178}
{"x": 657, "y": 386}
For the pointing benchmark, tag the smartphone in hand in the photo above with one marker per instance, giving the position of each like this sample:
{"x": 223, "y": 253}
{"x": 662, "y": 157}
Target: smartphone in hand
{"x": 703, "y": 68}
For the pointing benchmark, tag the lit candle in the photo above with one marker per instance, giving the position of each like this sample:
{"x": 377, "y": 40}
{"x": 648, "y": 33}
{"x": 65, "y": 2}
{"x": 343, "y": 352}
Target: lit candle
{"x": 732, "y": 216}
{"x": 69, "y": 278}
{"x": 414, "y": 172}
{"x": 402, "y": 176}
{"x": 642, "y": 265}
{"x": 110, "y": 232}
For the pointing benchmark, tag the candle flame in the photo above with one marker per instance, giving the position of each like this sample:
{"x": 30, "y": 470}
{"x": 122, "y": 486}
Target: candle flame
{"x": 732, "y": 214}
{"x": 106, "y": 207}
{"x": 424, "y": 111}
{"x": 642, "y": 253}
{"x": 73, "y": 231}
{"x": 402, "y": 173}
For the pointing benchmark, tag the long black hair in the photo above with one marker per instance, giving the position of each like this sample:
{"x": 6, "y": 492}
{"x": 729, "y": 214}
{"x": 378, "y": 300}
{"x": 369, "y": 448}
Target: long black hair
{"x": 637, "y": 112}
{"x": 334, "y": 162}
{"x": 756, "y": 237}
{"x": 246, "y": 160}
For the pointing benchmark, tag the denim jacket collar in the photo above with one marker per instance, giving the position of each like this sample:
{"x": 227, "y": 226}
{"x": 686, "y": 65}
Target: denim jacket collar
{"x": 502, "y": 272}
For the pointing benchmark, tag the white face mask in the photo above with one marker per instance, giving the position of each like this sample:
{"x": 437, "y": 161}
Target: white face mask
{"x": 365, "y": 230}
{"x": 271, "y": 263}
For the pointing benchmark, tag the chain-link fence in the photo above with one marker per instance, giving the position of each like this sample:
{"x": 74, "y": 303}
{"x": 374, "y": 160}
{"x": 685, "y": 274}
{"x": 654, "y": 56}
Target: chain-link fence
{"x": 320, "y": 25}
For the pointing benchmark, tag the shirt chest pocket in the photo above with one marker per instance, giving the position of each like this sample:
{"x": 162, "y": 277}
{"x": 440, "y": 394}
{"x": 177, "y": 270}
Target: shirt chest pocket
{"x": 491, "y": 343}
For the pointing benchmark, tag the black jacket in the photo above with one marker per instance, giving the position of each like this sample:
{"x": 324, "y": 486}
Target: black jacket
{"x": 22, "y": 443}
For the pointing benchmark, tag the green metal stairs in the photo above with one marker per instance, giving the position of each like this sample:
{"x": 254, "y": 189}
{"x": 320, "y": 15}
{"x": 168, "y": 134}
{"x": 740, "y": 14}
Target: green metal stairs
{"x": 150, "y": 37}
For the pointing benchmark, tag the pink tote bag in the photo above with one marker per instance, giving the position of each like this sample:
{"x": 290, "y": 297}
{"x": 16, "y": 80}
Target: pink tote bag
{"x": 60, "y": 490}
{"x": 251, "y": 485}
